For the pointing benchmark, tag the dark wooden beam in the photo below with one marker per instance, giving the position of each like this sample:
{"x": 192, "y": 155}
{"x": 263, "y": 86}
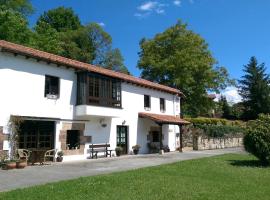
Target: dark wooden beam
{"x": 181, "y": 138}
{"x": 160, "y": 137}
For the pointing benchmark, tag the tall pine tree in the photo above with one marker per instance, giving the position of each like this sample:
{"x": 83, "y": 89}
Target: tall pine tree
{"x": 254, "y": 89}
{"x": 225, "y": 107}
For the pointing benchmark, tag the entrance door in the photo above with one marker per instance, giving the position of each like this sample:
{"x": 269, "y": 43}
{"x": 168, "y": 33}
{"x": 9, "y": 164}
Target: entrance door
{"x": 122, "y": 138}
{"x": 36, "y": 135}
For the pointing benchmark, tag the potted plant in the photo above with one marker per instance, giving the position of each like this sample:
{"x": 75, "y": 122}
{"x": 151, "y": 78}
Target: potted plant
{"x": 20, "y": 164}
{"x": 118, "y": 150}
{"x": 136, "y": 149}
{"x": 9, "y": 164}
{"x": 60, "y": 155}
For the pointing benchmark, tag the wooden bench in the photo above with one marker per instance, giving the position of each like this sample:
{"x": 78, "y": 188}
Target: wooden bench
{"x": 97, "y": 148}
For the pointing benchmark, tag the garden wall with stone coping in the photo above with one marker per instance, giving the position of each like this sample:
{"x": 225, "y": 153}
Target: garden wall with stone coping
{"x": 207, "y": 143}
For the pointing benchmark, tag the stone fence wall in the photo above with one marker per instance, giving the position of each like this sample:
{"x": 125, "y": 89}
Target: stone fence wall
{"x": 204, "y": 143}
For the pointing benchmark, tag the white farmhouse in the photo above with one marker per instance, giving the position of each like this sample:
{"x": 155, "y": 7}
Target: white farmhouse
{"x": 68, "y": 105}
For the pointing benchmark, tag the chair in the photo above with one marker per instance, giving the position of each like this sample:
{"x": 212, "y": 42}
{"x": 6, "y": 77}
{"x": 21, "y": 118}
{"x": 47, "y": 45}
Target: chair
{"x": 23, "y": 154}
{"x": 50, "y": 154}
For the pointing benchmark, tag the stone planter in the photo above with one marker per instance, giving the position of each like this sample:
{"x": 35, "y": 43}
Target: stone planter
{"x": 135, "y": 151}
{"x": 9, "y": 165}
{"x": 59, "y": 159}
{"x": 21, "y": 164}
{"x": 118, "y": 153}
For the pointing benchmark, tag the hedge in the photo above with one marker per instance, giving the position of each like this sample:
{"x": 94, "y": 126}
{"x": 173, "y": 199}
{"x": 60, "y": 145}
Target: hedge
{"x": 215, "y": 121}
{"x": 218, "y": 131}
{"x": 216, "y": 127}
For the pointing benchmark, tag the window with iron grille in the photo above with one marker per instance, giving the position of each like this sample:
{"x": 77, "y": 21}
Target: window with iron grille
{"x": 162, "y": 104}
{"x": 52, "y": 86}
{"x": 147, "y": 102}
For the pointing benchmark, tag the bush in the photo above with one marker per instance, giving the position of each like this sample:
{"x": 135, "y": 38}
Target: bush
{"x": 217, "y": 131}
{"x": 215, "y": 121}
{"x": 257, "y": 138}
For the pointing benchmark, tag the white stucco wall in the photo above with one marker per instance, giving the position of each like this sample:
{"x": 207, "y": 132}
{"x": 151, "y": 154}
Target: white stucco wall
{"x": 22, "y": 84}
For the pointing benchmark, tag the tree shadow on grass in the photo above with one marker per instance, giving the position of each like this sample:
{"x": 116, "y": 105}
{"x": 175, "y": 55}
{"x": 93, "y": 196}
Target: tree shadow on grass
{"x": 248, "y": 163}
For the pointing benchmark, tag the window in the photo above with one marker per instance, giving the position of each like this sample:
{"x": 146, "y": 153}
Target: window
{"x": 147, "y": 102}
{"x": 36, "y": 134}
{"x": 73, "y": 139}
{"x": 162, "y": 103}
{"x": 104, "y": 91}
{"x": 51, "y": 87}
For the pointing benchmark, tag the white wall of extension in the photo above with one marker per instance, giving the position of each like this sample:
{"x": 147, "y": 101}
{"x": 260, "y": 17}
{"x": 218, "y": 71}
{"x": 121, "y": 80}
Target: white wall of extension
{"x": 22, "y": 83}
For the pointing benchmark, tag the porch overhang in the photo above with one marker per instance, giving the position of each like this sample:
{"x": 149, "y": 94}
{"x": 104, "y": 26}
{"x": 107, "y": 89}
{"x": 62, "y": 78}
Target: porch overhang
{"x": 164, "y": 119}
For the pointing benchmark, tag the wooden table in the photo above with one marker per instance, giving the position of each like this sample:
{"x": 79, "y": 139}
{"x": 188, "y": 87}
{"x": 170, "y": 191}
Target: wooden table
{"x": 37, "y": 155}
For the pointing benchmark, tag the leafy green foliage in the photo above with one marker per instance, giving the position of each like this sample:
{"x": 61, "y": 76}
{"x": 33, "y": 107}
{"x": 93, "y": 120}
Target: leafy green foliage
{"x": 225, "y": 107}
{"x": 257, "y": 138}
{"x": 61, "y": 19}
{"x": 254, "y": 89}
{"x": 216, "y": 127}
{"x": 59, "y": 31}
{"x": 22, "y": 6}
{"x": 46, "y": 38}
{"x": 217, "y": 131}
{"x": 14, "y": 27}
{"x": 114, "y": 61}
{"x": 180, "y": 58}
{"x": 214, "y": 121}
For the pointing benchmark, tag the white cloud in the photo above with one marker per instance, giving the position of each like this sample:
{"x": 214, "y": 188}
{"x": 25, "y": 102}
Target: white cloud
{"x": 101, "y": 24}
{"x": 177, "y": 2}
{"x": 150, "y": 7}
{"x": 232, "y": 95}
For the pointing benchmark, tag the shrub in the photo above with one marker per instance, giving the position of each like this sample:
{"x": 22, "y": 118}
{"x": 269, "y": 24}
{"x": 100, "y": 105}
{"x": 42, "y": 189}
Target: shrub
{"x": 220, "y": 130}
{"x": 136, "y": 147}
{"x": 215, "y": 121}
{"x": 257, "y": 138}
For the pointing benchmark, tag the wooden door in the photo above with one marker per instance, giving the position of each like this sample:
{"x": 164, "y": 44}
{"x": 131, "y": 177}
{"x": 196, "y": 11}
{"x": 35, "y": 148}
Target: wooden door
{"x": 122, "y": 138}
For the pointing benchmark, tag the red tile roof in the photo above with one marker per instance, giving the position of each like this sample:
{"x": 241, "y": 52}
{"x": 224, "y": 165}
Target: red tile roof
{"x": 164, "y": 119}
{"x": 59, "y": 60}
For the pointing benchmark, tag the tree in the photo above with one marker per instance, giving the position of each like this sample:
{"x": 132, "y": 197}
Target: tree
{"x": 225, "y": 107}
{"x": 61, "y": 19}
{"x": 46, "y": 38}
{"x": 77, "y": 44}
{"x": 237, "y": 111}
{"x": 14, "y": 27}
{"x": 22, "y": 6}
{"x": 180, "y": 58}
{"x": 254, "y": 89}
{"x": 90, "y": 43}
{"x": 114, "y": 61}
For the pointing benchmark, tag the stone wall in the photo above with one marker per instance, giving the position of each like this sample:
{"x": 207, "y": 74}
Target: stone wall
{"x": 204, "y": 143}
{"x": 83, "y": 139}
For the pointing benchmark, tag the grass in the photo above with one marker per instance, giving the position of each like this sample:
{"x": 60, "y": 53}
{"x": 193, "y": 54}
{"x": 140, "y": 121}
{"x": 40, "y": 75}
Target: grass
{"x": 231, "y": 176}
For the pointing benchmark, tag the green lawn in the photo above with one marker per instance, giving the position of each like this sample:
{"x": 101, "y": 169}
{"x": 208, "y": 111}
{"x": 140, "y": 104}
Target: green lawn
{"x": 229, "y": 176}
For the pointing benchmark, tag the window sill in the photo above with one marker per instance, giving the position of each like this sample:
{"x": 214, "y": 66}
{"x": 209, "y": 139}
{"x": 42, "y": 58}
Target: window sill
{"x": 147, "y": 109}
{"x": 52, "y": 96}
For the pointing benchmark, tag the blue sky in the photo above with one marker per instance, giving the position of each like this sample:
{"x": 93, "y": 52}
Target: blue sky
{"x": 234, "y": 29}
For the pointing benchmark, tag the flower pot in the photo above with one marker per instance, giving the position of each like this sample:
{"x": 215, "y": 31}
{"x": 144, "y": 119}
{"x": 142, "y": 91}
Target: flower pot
{"x": 118, "y": 153}
{"x": 59, "y": 159}
{"x": 9, "y": 165}
{"x": 21, "y": 164}
{"x": 135, "y": 151}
